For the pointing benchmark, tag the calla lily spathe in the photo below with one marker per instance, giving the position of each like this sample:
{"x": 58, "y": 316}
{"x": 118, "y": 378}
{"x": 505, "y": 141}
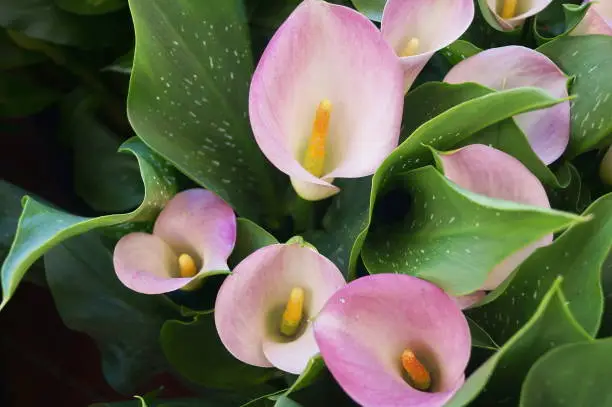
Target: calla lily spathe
{"x": 365, "y": 329}
{"x": 326, "y": 98}
{"x": 511, "y": 67}
{"x": 192, "y": 237}
{"x": 250, "y": 303}
{"x": 598, "y": 19}
{"x": 487, "y": 171}
{"x": 416, "y": 29}
{"x": 511, "y": 14}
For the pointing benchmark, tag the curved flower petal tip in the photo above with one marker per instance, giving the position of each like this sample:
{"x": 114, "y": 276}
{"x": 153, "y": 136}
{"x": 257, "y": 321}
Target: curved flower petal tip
{"x": 493, "y": 173}
{"x": 319, "y": 107}
{"x": 366, "y": 328}
{"x": 512, "y": 67}
{"x": 598, "y": 19}
{"x": 416, "y": 29}
{"x": 193, "y": 235}
{"x": 513, "y": 13}
{"x": 263, "y": 308}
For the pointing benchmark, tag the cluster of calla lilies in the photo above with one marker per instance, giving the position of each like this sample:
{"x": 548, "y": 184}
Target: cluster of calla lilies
{"x": 326, "y": 102}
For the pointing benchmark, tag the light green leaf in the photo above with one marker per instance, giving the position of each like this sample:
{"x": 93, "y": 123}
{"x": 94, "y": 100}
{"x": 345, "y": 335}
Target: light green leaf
{"x": 459, "y": 50}
{"x": 372, "y": 9}
{"x": 450, "y": 236}
{"x": 41, "y": 227}
{"x": 90, "y": 299}
{"x": 188, "y": 97}
{"x": 576, "y": 374}
{"x": 587, "y": 58}
{"x": 577, "y": 255}
{"x": 196, "y": 352}
{"x": 446, "y": 130}
{"x": 500, "y": 377}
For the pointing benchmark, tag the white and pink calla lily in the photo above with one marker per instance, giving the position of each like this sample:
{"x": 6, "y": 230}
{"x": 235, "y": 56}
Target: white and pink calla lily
{"x": 249, "y": 308}
{"x": 367, "y": 328}
{"x": 511, "y": 14}
{"x": 416, "y": 29}
{"x": 192, "y": 237}
{"x": 326, "y": 98}
{"x": 487, "y": 171}
{"x": 511, "y": 67}
{"x": 598, "y": 19}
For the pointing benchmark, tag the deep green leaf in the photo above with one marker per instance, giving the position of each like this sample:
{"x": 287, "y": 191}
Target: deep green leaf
{"x": 41, "y": 227}
{"x": 90, "y": 299}
{"x": 188, "y": 97}
{"x": 576, "y": 374}
{"x": 448, "y": 235}
{"x": 587, "y": 58}
{"x": 21, "y": 95}
{"x": 123, "y": 64}
{"x": 196, "y": 352}
{"x": 91, "y": 7}
{"x": 44, "y": 20}
{"x": 480, "y": 337}
{"x": 311, "y": 374}
{"x": 575, "y": 196}
{"x": 558, "y": 19}
{"x": 499, "y": 379}
{"x": 249, "y": 237}
{"x": 459, "y": 50}
{"x": 577, "y": 255}
{"x": 14, "y": 56}
{"x": 606, "y": 283}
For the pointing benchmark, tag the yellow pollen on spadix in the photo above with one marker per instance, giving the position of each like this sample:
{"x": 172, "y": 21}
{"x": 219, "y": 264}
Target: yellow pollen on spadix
{"x": 418, "y": 375}
{"x": 508, "y": 9}
{"x": 294, "y": 312}
{"x": 187, "y": 266}
{"x": 314, "y": 158}
{"x": 411, "y": 48}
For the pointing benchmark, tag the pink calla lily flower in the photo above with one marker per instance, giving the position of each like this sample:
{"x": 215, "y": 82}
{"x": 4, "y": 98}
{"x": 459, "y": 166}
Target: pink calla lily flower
{"x": 416, "y": 29}
{"x": 381, "y": 332}
{"x": 511, "y": 14}
{"x": 510, "y": 67}
{"x": 487, "y": 171}
{"x": 598, "y": 19}
{"x": 263, "y": 309}
{"x": 326, "y": 98}
{"x": 192, "y": 237}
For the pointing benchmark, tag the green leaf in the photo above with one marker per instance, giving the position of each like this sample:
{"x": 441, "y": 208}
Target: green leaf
{"x": 587, "y": 58}
{"x": 372, "y": 9}
{"x": 480, "y": 337}
{"x": 550, "y": 326}
{"x": 312, "y": 372}
{"x": 249, "y": 237}
{"x": 124, "y": 324}
{"x": 557, "y": 20}
{"x": 21, "y": 95}
{"x": 188, "y": 97}
{"x": 91, "y": 7}
{"x": 14, "y": 56}
{"x": 606, "y": 283}
{"x": 459, "y": 50}
{"x": 578, "y": 256}
{"x": 576, "y": 374}
{"x": 445, "y": 131}
{"x": 108, "y": 182}
{"x": 575, "y": 197}
{"x": 44, "y": 20}
{"x": 122, "y": 65}
{"x": 41, "y": 227}
{"x": 195, "y": 350}
{"x": 451, "y": 236}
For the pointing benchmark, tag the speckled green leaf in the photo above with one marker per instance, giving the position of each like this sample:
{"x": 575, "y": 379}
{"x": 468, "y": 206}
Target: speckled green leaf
{"x": 588, "y": 59}
{"x": 41, "y": 227}
{"x": 196, "y": 352}
{"x": 188, "y": 97}
{"x": 448, "y": 235}
{"x": 499, "y": 379}
{"x": 459, "y": 50}
{"x": 445, "y": 121}
{"x": 90, "y": 299}
{"x": 578, "y": 255}
{"x": 249, "y": 237}
{"x": 576, "y": 374}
